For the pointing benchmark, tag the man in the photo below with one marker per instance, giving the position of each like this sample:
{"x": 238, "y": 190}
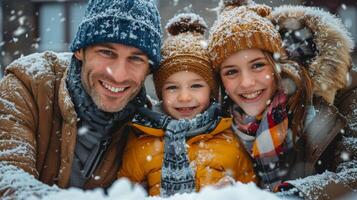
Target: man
{"x": 62, "y": 116}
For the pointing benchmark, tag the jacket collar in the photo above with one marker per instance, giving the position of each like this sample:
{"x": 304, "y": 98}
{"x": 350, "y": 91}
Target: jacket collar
{"x": 223, "y": 124}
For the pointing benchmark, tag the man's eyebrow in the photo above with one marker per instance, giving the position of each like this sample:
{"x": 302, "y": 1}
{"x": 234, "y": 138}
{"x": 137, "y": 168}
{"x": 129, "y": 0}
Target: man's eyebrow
{"x": 106, "y": 46}
{"x": 139, "y": 53}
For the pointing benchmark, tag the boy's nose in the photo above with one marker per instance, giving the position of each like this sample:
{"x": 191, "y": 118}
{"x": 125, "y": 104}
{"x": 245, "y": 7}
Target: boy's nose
{"x": 184, "y": 96}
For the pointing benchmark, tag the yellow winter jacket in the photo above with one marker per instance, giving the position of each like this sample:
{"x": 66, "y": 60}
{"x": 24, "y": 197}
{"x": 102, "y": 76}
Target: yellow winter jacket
{"x": 214, "y": 156}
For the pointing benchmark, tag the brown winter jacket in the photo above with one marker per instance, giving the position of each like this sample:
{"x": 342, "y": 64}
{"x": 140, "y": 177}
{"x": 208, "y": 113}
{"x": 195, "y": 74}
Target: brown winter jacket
{"x": 38, "y": 124}
{"x": 324, "y": 148}
{"x": 332, "y": 135}
{"x": 216, "y": 155}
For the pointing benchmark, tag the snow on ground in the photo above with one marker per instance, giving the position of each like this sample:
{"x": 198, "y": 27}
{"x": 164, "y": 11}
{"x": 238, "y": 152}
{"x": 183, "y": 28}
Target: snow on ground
{"x": 124, "y": 190}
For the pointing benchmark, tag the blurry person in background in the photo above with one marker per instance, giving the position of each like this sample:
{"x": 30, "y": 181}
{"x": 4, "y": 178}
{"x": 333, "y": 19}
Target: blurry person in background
{"x": 284, "y": 109}
{"x": 62, "y": 115}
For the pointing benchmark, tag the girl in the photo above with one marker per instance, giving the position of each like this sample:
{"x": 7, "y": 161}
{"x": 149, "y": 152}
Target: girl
{"x": 187, "y": 145}
{"x": 279, "y": 112}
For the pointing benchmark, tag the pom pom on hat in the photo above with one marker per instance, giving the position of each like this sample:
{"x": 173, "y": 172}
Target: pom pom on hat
{"x": 186, "y": 22}
{"x": 260, "y": 9}
{"x": 236, "y": 2}
{"x": 185, "y": 50}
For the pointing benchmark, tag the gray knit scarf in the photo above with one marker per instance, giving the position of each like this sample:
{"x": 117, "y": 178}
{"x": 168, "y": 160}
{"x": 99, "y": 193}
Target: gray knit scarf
{"x": 177, "y": 176}
{"x": 95, "y": 127}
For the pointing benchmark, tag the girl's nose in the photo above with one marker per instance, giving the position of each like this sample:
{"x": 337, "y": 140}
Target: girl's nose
{"x": 247, "y": 80}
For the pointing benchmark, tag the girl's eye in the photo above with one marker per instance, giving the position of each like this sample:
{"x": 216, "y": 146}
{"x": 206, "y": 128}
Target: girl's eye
{"x": 258, "y": 65}
{"x": 230, "y": 72}
{"x": 196, "y": 85}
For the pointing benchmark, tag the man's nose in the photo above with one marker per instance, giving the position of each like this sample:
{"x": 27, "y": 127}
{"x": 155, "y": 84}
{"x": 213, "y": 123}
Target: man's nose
{"x": 118, "y": 70}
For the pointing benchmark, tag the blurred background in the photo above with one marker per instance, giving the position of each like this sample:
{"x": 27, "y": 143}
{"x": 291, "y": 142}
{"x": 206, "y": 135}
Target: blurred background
{"x": 29, "y": 26}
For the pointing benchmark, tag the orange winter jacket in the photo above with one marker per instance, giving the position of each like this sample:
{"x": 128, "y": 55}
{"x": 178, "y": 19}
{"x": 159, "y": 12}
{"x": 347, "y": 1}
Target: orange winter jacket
{"x": 214, "y": 156}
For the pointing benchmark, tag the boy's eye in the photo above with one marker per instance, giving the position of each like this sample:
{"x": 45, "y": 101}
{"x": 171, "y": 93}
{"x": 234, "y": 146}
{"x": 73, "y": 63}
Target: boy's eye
{"x": 171, "y": 87}
{"x": 196, "y": 85}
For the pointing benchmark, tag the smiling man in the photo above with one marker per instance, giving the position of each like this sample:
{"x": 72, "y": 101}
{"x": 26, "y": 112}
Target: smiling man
{"x": 62, "y": 116}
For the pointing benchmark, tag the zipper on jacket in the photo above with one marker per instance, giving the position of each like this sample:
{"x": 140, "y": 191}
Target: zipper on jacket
{"x": 95, "y": 157}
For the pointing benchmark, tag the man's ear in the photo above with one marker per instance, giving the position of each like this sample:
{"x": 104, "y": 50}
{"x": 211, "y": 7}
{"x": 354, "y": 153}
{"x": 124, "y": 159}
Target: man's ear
{"x": 79, "y": 54}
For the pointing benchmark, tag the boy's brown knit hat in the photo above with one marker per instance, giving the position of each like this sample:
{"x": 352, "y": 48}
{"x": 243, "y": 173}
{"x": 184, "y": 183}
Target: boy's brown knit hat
{"x": 242, "y": 24}
{"x": 185, "y": 49}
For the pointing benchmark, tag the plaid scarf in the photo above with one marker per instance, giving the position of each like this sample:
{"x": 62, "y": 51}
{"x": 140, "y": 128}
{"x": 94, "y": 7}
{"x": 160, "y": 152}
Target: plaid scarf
{"x": 177, "y": 176}
{"x": 267, "y": 138}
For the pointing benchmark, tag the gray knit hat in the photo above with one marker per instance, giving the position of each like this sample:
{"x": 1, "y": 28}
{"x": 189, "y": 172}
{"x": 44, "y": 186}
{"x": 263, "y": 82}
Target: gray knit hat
{"x": 130, "y": 22}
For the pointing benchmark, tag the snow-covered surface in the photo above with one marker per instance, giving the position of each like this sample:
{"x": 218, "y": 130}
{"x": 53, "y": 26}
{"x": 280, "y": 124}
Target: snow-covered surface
{"x": 36, "y": 64}
{"x": 124, "y": 190}
{"x": 27, "y": 186}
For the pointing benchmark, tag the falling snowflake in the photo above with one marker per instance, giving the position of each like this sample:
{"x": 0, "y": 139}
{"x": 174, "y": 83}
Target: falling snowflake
{"x": 268, "y": 102}
{"x": 19, "y": 31}
{"x": 83, "y": 130}
{"x": 276, "y": 56}
{"x": 149, "y": 158}
{"x": 345, "y": 156}
{"x": 109, "y": 70}
{"x": 204, "y": 44}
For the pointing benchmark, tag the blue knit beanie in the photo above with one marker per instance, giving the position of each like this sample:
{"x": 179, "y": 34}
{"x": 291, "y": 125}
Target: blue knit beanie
{"x": 130, "y": 22}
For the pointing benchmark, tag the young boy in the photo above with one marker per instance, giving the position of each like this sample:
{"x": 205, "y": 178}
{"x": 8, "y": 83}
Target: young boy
{"x": 187, "y": 145}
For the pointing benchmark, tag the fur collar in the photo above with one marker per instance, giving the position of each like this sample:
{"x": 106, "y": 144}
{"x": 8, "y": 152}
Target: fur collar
{"x": 329, "y": 68}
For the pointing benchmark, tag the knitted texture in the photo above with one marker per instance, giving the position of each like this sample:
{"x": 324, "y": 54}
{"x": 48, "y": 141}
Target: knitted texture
{"x": 130, "y": 22}
{"x": 243, "y": 25}
{"x": 267, "y": 139}
{"x": 177, "y": 175}
{"x": 185, "y": 49}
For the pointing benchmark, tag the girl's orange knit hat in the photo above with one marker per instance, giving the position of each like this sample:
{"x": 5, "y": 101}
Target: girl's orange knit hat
{"x": 243, "y": 24}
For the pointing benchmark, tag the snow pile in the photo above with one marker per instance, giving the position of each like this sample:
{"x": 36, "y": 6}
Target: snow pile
{"x": 124, "y": 190}
{"x": 21, "y": 185}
